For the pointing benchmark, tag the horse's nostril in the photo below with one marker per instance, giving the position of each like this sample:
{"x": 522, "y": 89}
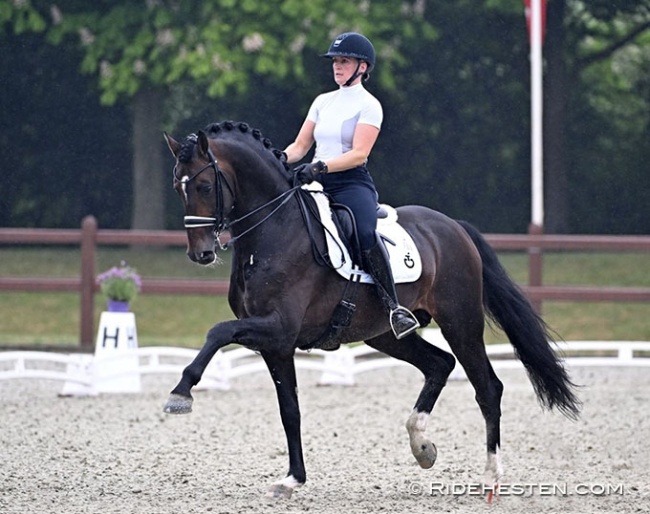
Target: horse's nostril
{"x": 207, "y": 256}
{"x": 204, "y": 257}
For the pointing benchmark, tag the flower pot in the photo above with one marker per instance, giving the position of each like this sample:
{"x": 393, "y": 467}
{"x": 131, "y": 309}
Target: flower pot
{"x": 117, "y": 306}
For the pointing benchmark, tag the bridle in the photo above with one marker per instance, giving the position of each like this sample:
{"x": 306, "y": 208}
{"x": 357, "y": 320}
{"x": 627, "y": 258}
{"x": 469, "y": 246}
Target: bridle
{"x": 219, "y": 221}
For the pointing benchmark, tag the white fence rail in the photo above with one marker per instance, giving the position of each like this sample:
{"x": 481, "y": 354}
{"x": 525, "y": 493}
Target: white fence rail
{"x": 92, "y": 374}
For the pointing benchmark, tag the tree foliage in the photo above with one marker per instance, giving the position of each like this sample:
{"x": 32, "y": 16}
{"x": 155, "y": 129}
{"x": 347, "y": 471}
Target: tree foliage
{"x": 215, "y": 44}
{"x": 453, "y": 78}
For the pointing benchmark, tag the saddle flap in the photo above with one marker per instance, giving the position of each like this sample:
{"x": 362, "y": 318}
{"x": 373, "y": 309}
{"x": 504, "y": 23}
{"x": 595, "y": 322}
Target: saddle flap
{"x": 405, "y": 259}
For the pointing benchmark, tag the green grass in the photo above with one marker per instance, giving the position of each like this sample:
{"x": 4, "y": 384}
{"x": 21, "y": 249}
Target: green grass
{"x": 180, "y": 320}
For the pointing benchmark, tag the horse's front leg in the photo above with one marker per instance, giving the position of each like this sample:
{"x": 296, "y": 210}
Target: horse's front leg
{"x": 283, "y": 372}
{"x": 180, "y": 399}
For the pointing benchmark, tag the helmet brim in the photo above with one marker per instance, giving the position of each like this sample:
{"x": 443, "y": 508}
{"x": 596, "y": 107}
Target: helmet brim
{"x": 363, "y": 58}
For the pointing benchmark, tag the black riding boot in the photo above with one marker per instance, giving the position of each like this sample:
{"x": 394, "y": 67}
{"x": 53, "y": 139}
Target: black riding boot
{"x": 376, "y": 262}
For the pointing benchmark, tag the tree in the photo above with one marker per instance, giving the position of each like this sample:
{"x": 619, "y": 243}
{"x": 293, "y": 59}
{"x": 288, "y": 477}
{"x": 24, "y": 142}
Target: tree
{"x": 138, "y": 51}
{"x": 456, "y": 132}
{"x": 453, "y": 79}
{"x": 465, "y": 115}
{"x": 579, "y": 36}
{"x": 63, "y": 155}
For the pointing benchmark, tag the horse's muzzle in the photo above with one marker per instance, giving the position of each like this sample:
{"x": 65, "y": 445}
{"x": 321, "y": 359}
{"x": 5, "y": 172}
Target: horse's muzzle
{"x": 204, "y": 258}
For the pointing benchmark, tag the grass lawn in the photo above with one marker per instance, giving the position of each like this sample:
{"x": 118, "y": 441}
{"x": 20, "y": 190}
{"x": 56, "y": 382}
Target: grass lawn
{"x": 182, "y": 320}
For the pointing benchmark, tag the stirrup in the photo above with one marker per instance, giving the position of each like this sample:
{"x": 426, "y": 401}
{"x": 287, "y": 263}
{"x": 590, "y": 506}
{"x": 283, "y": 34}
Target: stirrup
{"x": 414, "y": 323}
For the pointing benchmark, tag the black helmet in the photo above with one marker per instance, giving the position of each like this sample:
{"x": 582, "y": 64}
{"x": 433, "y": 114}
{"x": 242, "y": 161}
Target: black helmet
{"x": 353, "y": 44}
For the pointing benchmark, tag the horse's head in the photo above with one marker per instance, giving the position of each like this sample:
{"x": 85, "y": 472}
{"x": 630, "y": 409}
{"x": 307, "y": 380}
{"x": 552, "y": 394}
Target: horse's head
{"x": 247, "y": 165}
{"x": 201, "y": 184}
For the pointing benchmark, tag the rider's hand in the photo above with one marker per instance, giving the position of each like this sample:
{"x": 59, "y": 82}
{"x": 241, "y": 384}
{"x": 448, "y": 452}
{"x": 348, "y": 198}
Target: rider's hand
{"x": 307, "y": 173}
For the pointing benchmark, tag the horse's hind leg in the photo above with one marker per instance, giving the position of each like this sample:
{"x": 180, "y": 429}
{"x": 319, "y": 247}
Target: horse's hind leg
{"x": 436, "y": 365}
{"x": 466, "y": 341}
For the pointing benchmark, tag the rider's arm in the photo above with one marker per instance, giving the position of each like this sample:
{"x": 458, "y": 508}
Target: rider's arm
{"x": 362, "y": 143}
{"x": 304, "y": 141}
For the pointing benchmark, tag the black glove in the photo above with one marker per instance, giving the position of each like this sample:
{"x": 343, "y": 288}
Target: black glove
{"x": 307, "y": 173}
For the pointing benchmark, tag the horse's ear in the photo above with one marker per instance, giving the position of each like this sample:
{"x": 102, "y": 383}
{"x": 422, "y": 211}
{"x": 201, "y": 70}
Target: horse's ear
{"x": 204, "y": 144}
{"x": 173, "y": 145}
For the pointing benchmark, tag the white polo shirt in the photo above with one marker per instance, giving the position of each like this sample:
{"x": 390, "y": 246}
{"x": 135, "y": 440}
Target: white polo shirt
{"x": 336, "y": 115}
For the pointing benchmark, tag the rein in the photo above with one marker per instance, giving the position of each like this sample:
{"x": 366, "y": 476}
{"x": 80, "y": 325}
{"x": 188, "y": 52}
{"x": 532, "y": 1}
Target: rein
{"x": 218, "y": 222}
{"x": 285, "y": 197}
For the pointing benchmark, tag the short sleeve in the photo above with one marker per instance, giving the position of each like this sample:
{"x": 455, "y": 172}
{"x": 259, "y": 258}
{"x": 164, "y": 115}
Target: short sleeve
{"x": 312, "y": 114}
{"x": 372, "y": 113}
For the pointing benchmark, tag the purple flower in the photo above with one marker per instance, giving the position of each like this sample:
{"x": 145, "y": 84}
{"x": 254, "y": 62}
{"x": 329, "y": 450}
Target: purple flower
{"x": 120, "y": 282}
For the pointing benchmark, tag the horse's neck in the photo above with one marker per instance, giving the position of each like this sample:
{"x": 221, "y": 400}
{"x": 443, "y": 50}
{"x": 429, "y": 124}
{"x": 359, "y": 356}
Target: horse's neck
{"x": 256, "y": 192}
{"x": 262, "y": 194}
{"x": 258, "y": 181}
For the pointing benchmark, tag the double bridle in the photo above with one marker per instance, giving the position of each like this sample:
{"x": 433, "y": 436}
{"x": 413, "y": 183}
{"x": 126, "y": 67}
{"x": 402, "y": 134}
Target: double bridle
{"x": 219, "y": 222}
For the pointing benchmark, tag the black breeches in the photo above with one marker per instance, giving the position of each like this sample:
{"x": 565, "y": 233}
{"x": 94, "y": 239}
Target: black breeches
{"x": 355, "y": 189}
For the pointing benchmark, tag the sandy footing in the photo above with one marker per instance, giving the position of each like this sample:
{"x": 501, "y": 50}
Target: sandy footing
{"x": 122, "y": 454}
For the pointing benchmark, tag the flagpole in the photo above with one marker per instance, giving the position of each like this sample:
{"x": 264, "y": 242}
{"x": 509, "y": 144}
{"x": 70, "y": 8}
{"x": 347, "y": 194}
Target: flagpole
{"x": 537, "y": 161}
{"x": 536, "y": 227}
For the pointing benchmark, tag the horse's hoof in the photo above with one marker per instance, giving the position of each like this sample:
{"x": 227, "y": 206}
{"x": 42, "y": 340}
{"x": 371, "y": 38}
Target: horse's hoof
{"x": 177, "y": 404}
{"x": 426, "y": 454}
{"x": 284, "y": 488}
{"x": 279, "y": 492}
{"x": 493, "y": 470}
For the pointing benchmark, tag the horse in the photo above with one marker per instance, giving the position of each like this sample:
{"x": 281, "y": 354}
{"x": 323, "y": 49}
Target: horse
{"x": 229, "y": 177}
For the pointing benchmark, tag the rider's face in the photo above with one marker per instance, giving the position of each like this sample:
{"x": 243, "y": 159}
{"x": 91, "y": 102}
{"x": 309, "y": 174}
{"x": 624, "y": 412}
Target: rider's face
{"x": 344, "y": 68}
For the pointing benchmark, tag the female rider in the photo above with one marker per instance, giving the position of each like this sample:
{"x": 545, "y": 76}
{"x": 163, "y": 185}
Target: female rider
{"x": 345, "y": 124}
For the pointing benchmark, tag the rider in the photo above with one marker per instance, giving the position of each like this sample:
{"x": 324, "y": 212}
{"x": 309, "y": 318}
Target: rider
{"x": 345, "y": 124}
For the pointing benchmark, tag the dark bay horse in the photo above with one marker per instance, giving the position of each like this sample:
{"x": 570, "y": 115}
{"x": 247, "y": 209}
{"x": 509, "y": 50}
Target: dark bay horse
{"x": 229, "y": 177}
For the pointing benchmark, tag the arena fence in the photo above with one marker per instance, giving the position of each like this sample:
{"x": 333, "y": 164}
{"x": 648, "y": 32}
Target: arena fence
{"x": 89, "y": 237}
{"x": 120, "y": 372}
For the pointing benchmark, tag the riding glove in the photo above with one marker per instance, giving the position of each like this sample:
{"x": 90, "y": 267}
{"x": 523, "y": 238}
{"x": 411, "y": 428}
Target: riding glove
{"x": 308, "y": 172}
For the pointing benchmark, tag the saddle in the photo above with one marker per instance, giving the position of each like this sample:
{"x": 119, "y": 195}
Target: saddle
{"x": 343, "y": 253}
{"x": 343, "y": 220}
{"x": 346, "y": 227}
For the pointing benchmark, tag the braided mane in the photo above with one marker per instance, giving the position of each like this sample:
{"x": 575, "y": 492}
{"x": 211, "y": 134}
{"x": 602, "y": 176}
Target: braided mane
{"x": 237, "y": 130}
{"x": 241, "y": 130}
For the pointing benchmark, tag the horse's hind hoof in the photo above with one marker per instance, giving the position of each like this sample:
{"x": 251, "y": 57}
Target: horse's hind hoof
{"x": 279, "y": 492}
{"x": 177, "y": 404}
{"x": 283, "y": 489}
{"x": 426, "y": 454}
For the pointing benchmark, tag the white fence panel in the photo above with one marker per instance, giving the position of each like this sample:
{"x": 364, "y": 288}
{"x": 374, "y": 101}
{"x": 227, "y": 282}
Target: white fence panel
{"x": 82, "y": 372}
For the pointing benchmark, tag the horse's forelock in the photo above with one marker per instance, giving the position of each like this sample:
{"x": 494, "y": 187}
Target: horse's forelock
{"x": 187, "y": 149}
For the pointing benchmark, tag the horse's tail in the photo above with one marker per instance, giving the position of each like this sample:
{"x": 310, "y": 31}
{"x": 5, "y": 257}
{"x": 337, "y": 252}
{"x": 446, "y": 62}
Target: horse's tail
{"x": 530, "y": 336}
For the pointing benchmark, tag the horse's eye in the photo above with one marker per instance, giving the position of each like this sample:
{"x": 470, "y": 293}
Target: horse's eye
{"x": 204, "y": 189}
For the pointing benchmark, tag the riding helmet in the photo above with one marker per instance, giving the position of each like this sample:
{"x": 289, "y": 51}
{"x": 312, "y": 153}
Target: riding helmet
{"x": 353, "y": 44}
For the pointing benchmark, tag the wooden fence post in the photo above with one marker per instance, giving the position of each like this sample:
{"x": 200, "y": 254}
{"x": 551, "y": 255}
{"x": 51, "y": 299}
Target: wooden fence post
{"x": 535, "y": 265}
{"x": 88, "y": 251}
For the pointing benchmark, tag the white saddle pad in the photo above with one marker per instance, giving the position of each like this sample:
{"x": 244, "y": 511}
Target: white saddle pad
{"x": 405, "y": 260}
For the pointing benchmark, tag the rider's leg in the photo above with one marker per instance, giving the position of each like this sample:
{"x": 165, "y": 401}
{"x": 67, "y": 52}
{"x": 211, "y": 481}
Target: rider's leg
{"x": 356, "y": 189}
{"x": 376, "y": 262}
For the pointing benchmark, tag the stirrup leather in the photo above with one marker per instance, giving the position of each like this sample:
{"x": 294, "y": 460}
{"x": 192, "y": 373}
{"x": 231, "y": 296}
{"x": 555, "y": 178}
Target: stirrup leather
{"x": 407, "y": 314}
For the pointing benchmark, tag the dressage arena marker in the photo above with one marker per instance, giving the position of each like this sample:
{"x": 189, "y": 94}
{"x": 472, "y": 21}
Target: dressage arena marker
{"x": 118, "y": 367}
{"x": 115, "y": 367}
